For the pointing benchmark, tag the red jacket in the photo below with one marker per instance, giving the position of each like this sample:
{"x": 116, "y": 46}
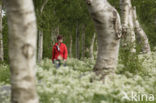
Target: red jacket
{"x": 62, "y": 52}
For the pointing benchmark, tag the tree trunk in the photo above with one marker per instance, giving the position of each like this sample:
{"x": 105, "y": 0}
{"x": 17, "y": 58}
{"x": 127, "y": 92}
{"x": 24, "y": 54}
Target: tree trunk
{"x": 22, "y": 50}
{"x": 131, "y": 38}
{"x": 43, "y": 5}
{"x": 141, "y": 34}
{"x": 70, "y": 48}
{"x": 40, "y": 37}
{"x": 54, "y": 34}
{"x": 92, "y": 46}
{"x": 127, "y": 25}
{"x": 40, "y": 46}
{"x": 83, "y": 43}
{"x": 1, "y": 36}
{"x": 108, "y": 27}
{"x": 77, "y": 41}
{"x": 124, "y": 6}
{"x": 57, "y": 31}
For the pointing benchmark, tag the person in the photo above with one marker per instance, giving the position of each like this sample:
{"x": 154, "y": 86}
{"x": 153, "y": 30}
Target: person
{"x": 59, "y": 52}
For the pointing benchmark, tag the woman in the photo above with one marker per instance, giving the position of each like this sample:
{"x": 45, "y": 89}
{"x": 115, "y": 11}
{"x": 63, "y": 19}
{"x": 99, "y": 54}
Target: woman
{"x": 59, "y": 52}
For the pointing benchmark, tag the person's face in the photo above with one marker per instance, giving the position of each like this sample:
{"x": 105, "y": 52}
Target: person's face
{"x": 60, "y": 41}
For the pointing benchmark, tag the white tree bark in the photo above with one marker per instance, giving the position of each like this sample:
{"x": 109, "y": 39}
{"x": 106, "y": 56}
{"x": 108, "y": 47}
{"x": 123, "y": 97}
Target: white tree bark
{"x": 22, "y": 50}
{"x": 54, "y": 34}
{"x": 124, "y": 6}
{"x": 40, "y": 37}
{"x": 1, "y": 36}
{"x": 108, "y": 27}
{"x": 127, "y": 25}
{"x": 43, "y": 5}
{"x": 141, "y": 34}
{"x": 92, "y": 46}
{"x": 131, "y": 37}
{"x": 40, "y": 46}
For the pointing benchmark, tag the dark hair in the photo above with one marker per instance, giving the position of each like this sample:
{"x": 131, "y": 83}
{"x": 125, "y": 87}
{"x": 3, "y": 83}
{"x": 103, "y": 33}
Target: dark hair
{"x": 59, "y": 37}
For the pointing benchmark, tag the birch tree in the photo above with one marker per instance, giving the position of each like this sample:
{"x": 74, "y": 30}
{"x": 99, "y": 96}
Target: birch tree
{"x": 22, "y": 50}
{"x": 140, "y": 32}
{"x": 92, "y": 46}
{"x": 40, "y": 36}
{"x": 108, "y": 28}
{"x": 40, "y": 46}
{"x": 77, "y": 41}
{"x": 83, "y": 42}
{"x": 1, "y": 36}
{"x": 127, "y": 24}
{"x": 132, "y": 28}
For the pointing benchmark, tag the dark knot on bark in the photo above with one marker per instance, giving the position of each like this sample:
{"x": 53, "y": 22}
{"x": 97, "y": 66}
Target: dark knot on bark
{"x": 88, "y": 2}
{"x": 28, "y": 51}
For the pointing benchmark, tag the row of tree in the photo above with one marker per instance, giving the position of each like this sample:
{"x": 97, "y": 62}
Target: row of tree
{"x": 53, "y": 21}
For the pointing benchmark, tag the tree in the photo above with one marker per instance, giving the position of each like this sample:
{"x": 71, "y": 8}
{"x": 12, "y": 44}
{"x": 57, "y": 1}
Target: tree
{"x": 132, "y": 28}
{"x": 92, "y": 47}
{"x": 108, "y": 27}
{"x": 83, "y": 42}
{"x": 40, "y": 46}
{"x": 141, "y": 34}
{"x": 1, "y": 36}
{"x": 40, "y": 36}
{"x": 127, "y": 24}
{"x": 22, "y": 50}
{"x": 77, "y": 41}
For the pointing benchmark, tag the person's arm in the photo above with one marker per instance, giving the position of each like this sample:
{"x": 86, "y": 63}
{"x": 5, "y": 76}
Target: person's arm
{"x": 53, "y": 54}
{"x": 65, "y": 53}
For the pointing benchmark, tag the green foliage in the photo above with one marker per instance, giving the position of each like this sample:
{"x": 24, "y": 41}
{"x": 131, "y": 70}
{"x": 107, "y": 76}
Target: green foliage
{"x": 4, "y": 73}
{"x": 130, "y": 61}
{"x": 5, "y": 38}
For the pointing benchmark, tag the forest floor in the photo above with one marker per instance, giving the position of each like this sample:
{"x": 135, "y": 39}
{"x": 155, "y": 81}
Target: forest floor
{"x": 135, "y": 79}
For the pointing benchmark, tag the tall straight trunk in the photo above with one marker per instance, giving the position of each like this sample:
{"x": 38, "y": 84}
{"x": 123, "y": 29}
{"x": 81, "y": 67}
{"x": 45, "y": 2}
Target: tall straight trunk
{"x": 141, "y": 34}
{"x": 57, "y": 31}
{"x": 77, "y": 41}
{"x": 22, "y": 50}
{"x": 127, "y": 25}
{"x": 132, "y": 38}
{"x": 54, "y": 34}
{"x": 83, "y": 43}
{"x": 40, "y": 46}
{"x": 92, "y": 46}
{"x": 40, "y": 36}
{"x": 43, "y": 5}
{"x": 70, "y": 47}
{"x": 108, "y": 27}
{"x": 52, "y": 37}
{"x": 1, "y": 36}
{"x": 124, "y": 6}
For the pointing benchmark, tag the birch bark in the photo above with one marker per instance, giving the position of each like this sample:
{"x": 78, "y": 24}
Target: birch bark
{"x": 141, "y": 34}
{"x": 22, "y": 50}
{"x": 127, "y": 25}
{"x": 108, "y": 28}
{"x": 1, "y": 36}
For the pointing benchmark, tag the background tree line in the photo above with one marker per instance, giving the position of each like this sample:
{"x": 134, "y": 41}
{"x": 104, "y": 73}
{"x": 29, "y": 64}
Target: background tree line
{"x": 72, "y": 20}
